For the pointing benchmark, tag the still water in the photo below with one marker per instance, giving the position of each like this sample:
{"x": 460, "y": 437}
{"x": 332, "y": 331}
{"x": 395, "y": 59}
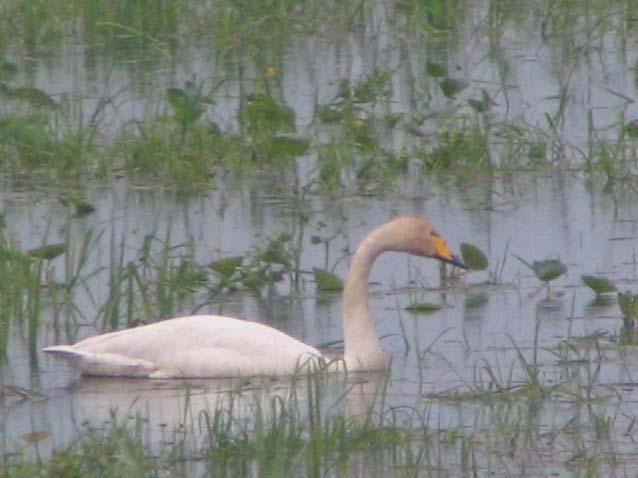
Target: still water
{"x": 437, "y": 353}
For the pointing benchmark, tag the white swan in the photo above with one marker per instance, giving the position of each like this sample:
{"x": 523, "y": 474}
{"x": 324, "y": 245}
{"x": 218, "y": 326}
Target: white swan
{"x": 217, "y": 346}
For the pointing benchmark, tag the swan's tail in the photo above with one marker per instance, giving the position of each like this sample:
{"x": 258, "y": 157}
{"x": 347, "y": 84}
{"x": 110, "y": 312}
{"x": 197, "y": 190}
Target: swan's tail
{"x": 65, "y": 351}
{"x": 92, "y": 363}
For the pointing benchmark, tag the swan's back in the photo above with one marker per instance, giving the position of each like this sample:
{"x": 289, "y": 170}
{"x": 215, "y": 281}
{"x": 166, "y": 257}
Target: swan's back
{"x": 194, "y": 346}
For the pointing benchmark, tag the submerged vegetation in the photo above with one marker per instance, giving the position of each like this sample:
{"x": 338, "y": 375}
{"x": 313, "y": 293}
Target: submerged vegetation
{"x": 360, "y": 132}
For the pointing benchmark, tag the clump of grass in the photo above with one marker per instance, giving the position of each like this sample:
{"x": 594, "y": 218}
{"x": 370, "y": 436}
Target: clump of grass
{"x": 21, "y": 293}
{"x": 247, "y": 26}
{"x": 295, "y": 432}
{"x": 457, "y": 148}
{"x": 38, "y": 133}
{"x": 158, "y": 284}
{"x": 112, "y": 452}
{"x": 628, "y": 303}
{"x": 153, "y": 151}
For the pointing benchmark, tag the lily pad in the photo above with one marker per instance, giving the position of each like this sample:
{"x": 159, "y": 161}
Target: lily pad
{"x": 327, "y": 281}
{"x": 482, "y": 105}
{"x": 48, "y": 251}
{"x": 548, "y": 269}
{"x": 177, "y": 98}
{"x": 35, "y": 437}
{"x": 474, "y": 258}
{"x": 329, "y": 114}
{"x": 82, "y": 207}
{"x": 226, "y": 267}
{"x": 437, "y": 70}
{"x": 600, "y": 285}
{"x": 34, "y": 96}
{"x": 478, "y": 105}
{"x": 453, "y": 86}
{"x": 423, "y": 307}
{"x": 290, "y": 145}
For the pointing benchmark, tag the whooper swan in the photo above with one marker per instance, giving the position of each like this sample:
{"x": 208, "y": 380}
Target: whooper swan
{"x": 218, "y": 346}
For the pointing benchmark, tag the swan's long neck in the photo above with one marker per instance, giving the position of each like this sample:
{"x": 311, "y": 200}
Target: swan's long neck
{"x": 362, "y": 348}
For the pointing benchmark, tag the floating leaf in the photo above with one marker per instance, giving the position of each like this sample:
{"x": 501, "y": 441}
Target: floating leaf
{"x": 82, "y": 208}
{"x": 452, "y": 86}
{"x": 288, "y": 145}
{"x": 327, "y": 281}
{"x": 474, "y": 258}
{"x": 225, "y": 268}
{"x": 262, "y": 114}
{"x": 34, "y": 96}
{"x": 546, "y": 270}
{"x": 187, "y": 108}
{"x": 329, "y": 114}
{"x": 549, "y": 269}
{"x": 275, "y": 252}
{"x": 391, "y": 120}
{"x": 48, "y": 251}
{"x": 188, "y": 277}
{"x": 435, "y": 69}
{"x": 482, "y": 105}
{"x": 423, "y": 307}
{"x": 600, "y": 285}
{"x": 35, "y": 437}
{"x": 478, "y": 105}
{"x": 252, "y": 280}
{"x": 476, "y": 300}
{"x": 537, "y": 151}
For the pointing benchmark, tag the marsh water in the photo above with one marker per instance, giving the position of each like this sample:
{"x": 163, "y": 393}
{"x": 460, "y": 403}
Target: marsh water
{"x": 448, "y": 364}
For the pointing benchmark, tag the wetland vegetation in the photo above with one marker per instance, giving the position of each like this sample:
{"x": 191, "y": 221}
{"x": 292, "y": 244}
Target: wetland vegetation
{"x": 161, "y": 158}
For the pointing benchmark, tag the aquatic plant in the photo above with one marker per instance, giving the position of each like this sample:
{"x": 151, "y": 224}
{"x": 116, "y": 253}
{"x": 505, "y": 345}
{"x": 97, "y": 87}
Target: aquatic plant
{"x": 628, "y": 303}
{"x": 546, "y": 270}
{"x": 326, "y": 280}
{"x": 600, "y": 285}
{"x": 158, "y": 284}
{"x": 473, "y": 257}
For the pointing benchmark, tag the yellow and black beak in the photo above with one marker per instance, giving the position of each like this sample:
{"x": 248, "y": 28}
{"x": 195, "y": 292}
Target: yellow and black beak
{"x": 442, "y": 253}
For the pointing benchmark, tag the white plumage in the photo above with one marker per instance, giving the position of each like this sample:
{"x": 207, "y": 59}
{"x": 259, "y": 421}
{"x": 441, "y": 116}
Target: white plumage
{"x": 218, "y": 346}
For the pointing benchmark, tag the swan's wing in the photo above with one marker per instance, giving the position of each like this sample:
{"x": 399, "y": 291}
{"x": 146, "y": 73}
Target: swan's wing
{"x": 195, "y": 346}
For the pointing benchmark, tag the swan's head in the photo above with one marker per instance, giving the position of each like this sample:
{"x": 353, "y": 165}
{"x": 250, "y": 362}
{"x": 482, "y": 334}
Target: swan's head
{"x": 417, "y": 236}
